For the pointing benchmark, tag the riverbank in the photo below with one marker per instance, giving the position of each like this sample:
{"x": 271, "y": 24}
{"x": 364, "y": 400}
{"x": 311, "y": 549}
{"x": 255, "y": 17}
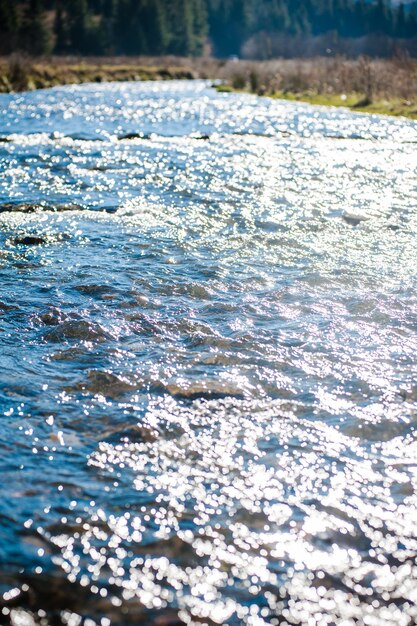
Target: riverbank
{"x": 355, "y": 102}
{"x": 19, "y": 73}
{"x": 386, "y": 87}
{"x": 374, "y": 86}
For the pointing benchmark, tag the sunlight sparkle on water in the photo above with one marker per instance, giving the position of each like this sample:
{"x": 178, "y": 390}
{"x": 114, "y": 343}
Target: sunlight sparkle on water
{"x": 207, "y": 387}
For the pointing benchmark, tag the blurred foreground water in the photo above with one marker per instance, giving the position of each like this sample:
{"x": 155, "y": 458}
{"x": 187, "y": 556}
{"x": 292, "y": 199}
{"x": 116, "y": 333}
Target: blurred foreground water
{"x": 208, "y": 393}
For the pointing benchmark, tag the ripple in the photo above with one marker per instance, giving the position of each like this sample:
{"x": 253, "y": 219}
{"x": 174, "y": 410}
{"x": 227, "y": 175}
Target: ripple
{"x": 207, "y": 389}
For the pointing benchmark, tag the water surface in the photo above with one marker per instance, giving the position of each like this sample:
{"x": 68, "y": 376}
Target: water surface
{"x": 208, "y": 319}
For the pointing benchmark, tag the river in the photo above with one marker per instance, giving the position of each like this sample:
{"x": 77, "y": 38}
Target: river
{"x": 208, "y": 393}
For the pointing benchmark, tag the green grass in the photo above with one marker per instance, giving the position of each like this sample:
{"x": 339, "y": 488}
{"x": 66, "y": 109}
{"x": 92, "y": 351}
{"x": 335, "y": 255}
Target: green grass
{"x": 354, "y": 102}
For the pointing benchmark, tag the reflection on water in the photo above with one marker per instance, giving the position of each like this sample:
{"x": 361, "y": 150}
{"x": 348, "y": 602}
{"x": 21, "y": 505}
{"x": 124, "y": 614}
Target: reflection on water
{"x": 208, "y": 315}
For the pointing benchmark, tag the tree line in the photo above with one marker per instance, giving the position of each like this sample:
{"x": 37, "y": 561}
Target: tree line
{"x": 186, "y": 27}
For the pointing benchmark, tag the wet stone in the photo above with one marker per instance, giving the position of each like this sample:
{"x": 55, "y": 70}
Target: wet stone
{"x": 5, "y": 307}
{"x": 39, "y": 240}
{"x": 82, "y": 330}
{"x": 52, "y": 317}
{"x": 12, "y": 207}
{"x": 133, "y": 136}
{"x": 30, "y": 240}
{"x": 28, "y": 207}
{"x": 107, "y": 384}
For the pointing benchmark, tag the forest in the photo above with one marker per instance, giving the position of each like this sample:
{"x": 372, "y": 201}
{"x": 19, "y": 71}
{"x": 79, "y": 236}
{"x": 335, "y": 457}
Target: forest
{"x": 192, "y": 27}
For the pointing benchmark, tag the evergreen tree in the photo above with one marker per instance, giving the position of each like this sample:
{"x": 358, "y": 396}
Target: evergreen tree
{"x": 183, "y": 26}
{"x": 159, "y": 33}
{"x": 9, "y": 26}
{"x": 200, "y": 26}
{"x": 77, "y": 25}
{"x": 181, "y": 18}
{"x": 129, "y": 36}
{"x": 400, "y": 22}
{"x": 380, "y": 18}
{"x": 60, "y": 30}
{"x": 34, "y": 34}
{"x": 411, "y": 24}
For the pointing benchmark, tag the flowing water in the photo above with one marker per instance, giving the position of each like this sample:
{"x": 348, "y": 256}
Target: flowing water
{"x": 208, "y": 399}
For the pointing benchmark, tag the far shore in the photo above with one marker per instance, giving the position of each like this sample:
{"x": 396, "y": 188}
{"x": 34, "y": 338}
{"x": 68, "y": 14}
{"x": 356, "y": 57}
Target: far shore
{"x": 380, "y": 86}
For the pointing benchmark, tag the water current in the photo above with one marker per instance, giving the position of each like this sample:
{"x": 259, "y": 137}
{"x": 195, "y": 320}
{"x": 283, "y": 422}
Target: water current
{"x": 208, "y": 392}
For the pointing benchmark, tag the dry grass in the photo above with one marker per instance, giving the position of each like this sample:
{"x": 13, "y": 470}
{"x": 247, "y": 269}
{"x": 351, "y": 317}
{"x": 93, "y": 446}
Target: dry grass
{"x": 20, "y": 73}
{"x": 372, "y": 85}
{"x": 374, "y": 78}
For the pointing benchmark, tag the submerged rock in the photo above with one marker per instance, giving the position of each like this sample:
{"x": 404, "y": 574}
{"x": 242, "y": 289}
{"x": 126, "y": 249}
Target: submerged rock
{"x": 133, "y": 434}
{"x": 12, "y": 207}
{"x": 107, "y": 384}
{"x": 30, "y": 240}
{"x": 38, "y": 240}
{"x": 355, "y": 218}
{"x": 81, "y": 330}
{"x": 28, "y": 207}
{"x": 202, "y": 137}
{"x": 52, "y": 317}
{"x": 209, "y": 390}
{"x": 133, "y": 136}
